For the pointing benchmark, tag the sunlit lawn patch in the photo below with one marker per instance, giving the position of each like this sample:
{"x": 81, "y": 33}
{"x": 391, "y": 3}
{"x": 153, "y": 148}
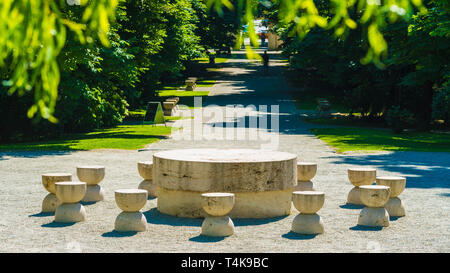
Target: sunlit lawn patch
{"x": 365, "y": 139}
{"x": 129, "y": 137}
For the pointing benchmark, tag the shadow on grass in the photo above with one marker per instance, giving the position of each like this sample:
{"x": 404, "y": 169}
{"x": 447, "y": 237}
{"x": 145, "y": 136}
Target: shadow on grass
{"x": 117, "y": 234}
{"x": 365, "y": 228}
{"x": 206, "y": 239}
{"x": 155, "y": 217}
{"x": 351, "y": 206}
{"x": 295, "y": 236}
{"x": 57, "y": 225}
{"x": 42, "y": 214}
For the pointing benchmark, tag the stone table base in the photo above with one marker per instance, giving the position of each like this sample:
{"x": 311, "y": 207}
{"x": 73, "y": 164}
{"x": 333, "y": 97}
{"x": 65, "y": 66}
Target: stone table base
{"x": 264, "y": 204}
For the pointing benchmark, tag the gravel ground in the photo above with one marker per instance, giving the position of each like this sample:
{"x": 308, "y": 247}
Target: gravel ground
{"x": 425, "y": 228}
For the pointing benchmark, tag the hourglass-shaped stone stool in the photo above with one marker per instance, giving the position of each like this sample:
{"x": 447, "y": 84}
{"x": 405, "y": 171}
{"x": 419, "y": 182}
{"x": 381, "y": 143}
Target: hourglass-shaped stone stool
{"x": 51, "y": 202}
{"x": 305, "y": 172}
{"x": 308, "y": 203}
{"x": 374, "y": 197}
{"x": 70, "y": 194}
{"x": 131, "y": 201}
{"x": 92, "y": 175}
{"x": 145, "y": 169}
{"x": 394, "y": 205}
{"x": 217, "y": 205}
{"x": 359, "y": 177}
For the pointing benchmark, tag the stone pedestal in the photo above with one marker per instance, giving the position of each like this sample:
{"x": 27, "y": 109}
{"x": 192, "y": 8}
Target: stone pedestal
{"x": 308, "y": 203}
{"x": 217, "y": 223}
{"x": 145, "y": 169}
{"x": 191, "y": 84}
{"x": 261, "y": 180}
{"x": 92, "y": 175}
{"x": 51, "y": 202}
{"x": 305, "y": 172}
{"x": 168, "y": 107}
{"x": 394, "y": 205}
{"x": 374, "y": 197}
{"x": 70, "y": 194}
{"x": 131, "y": 219}
{"x": 359, "y": 177}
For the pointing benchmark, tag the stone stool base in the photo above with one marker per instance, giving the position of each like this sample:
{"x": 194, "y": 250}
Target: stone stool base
{"x": 217, "y": 226}
{"x": 70, "y": 213}
{"x": 150, "y": 187}
{"x": 94, "y": 193}
{"x": 395, "y": 207}
{"x": 304, "y": 186}
{"x": 50, "y": 203}
{"x": 353, "y": 196}
{"x": 373, "y": 217}
{"x": 130, "y": 221}
{"x": 307, "y": 224}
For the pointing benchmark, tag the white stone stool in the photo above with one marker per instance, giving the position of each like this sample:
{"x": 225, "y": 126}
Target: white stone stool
{"x": 70, "y": 194}
{"x": 51, "y": 202}
{"x": 394, "y": 205}
{"x": 131, "y": 201}
{"x": 305, "y": 172}
{"x": 92, "y": 175}
{"x": 217, "y": 205}
{"x": 374, "y": 197}
{"x": 308, "y": 203}
{"x": 359, "y": 177}
{"x": 145, "y": 169}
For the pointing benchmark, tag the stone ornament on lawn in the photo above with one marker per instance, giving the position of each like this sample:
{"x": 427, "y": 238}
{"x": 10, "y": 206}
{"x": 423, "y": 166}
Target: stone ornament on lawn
{"x": 169, "y": 108}
{"x": 92, "y": 175}
{"x": 51, "y": 202}
{"x": 131, "y": 219}
{"x": 305, "y": 172}
{"x": 70, "y": 194}
{"x": 374, "y": 197}
{"x": 394, "y": 205}
{"x": 359, "y": 177}
{"x": 308, "y": 203}
{"x": 217, "y": 206}
{"x": 191, "y": 83}
{"x": 145, "y": 169}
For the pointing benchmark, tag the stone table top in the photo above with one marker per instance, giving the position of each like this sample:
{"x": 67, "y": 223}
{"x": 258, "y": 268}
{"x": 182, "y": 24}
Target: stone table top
{"x": 225, "y": 170}
{"x": 225, "y": 155}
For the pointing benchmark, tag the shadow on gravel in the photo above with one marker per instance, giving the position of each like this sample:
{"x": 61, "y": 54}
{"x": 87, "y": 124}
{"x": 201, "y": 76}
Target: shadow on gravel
{"x": 88, "y": 203}
{"x": 422, "y": 170}
{"x": 32, "y": 154}
{"x": 206, "y": 239}
{"x": 295, "y": 236}
{"x": 57, "y": 225}
{"x": 256, "y": 222}
{"x": 116, "y": 234}
{"x": 155, "y": 217}
{"x": 351, "y": 206}
{"x": 394, "y": 218}
{"x": 364, "y": 228}
{"x": 42, "y": 214}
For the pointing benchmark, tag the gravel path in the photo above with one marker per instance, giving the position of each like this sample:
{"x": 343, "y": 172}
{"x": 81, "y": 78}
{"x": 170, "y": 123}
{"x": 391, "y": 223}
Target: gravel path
{"x": 427, "y": 196}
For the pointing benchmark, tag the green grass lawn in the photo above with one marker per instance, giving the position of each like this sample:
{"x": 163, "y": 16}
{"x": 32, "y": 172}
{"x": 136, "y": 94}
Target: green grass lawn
{"x": 218, "y": 60}
{"x": 128, "y": 137}
{"x": 308, "y": 101}
{"x": 175, "y": 93}
{"x": 365, "y": 139}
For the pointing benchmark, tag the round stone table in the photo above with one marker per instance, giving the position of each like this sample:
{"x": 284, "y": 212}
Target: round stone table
{"x": 261, "y": 180}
